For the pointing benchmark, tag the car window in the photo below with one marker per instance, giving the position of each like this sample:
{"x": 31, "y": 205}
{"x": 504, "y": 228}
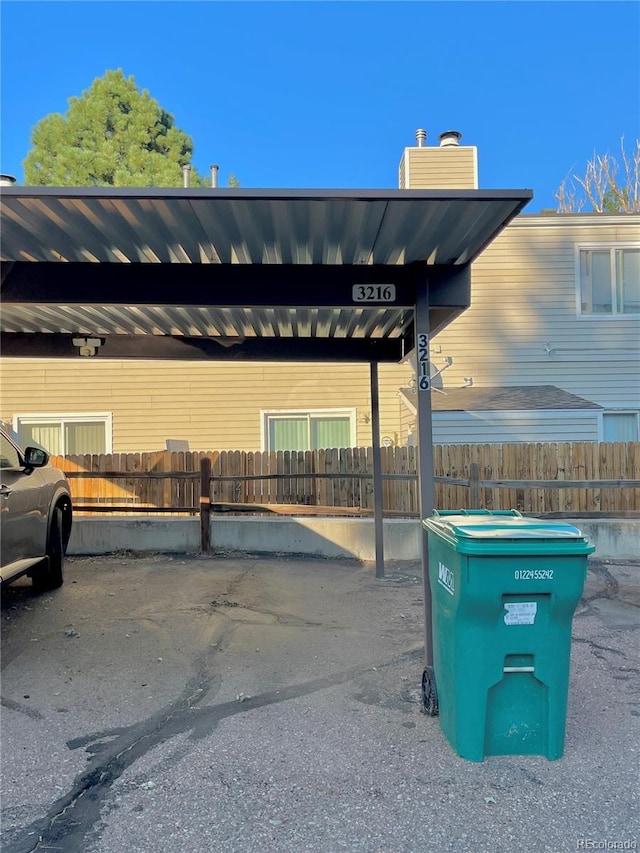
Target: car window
{"x": 9, "y": 457}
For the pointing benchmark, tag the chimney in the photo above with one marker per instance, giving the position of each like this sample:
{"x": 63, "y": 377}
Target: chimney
{"x": 449, "y": 138}
{"x": 186, "y": 176}
{"x": 447, "y": 166}
{"x": 7, "y": 180}
{"x": 214, "y": 176}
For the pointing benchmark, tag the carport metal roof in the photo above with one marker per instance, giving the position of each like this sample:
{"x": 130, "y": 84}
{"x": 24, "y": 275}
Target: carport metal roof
{"x": 331, "y": 275}
{"x": 238, "y": 274}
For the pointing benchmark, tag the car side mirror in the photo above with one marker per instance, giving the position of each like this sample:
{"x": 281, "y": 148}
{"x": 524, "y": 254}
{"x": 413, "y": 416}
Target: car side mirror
{"x": 35, "y": 457}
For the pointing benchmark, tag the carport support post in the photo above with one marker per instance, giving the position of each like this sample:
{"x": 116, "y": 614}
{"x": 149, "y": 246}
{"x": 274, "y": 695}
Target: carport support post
{"x": 377, "y": 470}
{"x": 425, "y": 450}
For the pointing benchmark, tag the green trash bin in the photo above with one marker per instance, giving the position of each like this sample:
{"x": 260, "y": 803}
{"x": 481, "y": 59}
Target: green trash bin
{"x": 504, "y": 590}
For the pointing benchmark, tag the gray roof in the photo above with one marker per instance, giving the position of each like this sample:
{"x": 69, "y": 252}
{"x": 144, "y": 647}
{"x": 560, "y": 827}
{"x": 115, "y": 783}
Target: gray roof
{"x": 502, "y": 398}
{"x": 217, "y": 271}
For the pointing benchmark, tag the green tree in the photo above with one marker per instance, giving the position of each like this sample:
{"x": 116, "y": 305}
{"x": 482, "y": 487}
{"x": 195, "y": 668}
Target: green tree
{"x": 113, "y": 135}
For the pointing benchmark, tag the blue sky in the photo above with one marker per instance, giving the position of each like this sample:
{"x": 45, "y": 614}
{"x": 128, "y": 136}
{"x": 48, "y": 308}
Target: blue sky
{"x": 327, "y": 94}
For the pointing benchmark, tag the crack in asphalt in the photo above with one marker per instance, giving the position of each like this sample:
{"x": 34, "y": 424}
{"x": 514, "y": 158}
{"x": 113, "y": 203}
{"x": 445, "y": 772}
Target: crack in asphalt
{"x": 21, "y": 709}
{"x": 596, "y": 647}
{"x": 90, "y": 788}
{"x": 611, "y": 586}
{"x": 73, "y": 816}
{"x": 609, "y": 592}
{"x": 238, "y": 609}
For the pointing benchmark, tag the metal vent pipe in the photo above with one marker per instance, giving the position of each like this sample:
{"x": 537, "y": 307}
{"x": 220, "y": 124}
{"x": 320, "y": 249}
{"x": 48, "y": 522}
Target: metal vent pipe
{"x": 214, "y": 176}
{"x": 449, "y": 138}
{"x": 7, "y": 180}
{"x": 186, "y": 175}
{"x": 421, "y": 137}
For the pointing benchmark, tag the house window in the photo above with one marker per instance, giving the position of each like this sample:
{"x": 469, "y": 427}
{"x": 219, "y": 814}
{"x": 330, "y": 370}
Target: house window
{"x": 609, "y": 280}
{"x": 621, "y": 426}
{"x": 66, "y": 435}
{"x": 311, "y": 430}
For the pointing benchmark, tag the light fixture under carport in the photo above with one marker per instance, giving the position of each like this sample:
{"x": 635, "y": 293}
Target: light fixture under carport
{"x": 88, "y": 347}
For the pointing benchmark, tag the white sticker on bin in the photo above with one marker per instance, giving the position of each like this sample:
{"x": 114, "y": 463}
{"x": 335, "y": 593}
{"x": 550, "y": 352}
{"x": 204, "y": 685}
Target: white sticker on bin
{"x": 520, "y": 613}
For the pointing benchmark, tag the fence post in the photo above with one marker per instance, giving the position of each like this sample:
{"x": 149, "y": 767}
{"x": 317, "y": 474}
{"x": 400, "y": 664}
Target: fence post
{"x": 474, "y": 486}
{"x": 205, "y": 503}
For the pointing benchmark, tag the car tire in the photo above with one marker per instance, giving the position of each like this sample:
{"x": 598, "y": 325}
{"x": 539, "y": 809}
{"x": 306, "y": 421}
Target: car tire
{"x": 429, "y": 693}
{"x": 50, "y": 574}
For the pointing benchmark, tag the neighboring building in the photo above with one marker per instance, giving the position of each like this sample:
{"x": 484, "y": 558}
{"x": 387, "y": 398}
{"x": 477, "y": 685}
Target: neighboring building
{"x": 555, "y": 301}
{"x": 548, "y": 351}
{"x": 530, "y": 413}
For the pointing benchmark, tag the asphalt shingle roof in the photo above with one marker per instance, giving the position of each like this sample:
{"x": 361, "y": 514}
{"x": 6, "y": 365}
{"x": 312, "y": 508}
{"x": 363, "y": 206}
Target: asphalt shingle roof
{"x": 503, "y": 398}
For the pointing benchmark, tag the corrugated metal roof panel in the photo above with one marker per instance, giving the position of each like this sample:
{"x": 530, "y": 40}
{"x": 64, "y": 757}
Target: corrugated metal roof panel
{"x": 206, "y": 321}
{"x": 250, "y": 227}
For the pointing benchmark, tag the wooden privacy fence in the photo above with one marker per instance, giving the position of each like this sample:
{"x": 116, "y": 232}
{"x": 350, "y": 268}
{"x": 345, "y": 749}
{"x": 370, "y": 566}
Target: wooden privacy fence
{"x": 565, "y": 478}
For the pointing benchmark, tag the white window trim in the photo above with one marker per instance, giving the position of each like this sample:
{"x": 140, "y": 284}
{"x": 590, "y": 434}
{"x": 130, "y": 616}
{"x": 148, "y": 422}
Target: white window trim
{"x": 586, "y": 247}
{"x": 601, "y": 416}
{"x": 265, "y": 414}
{"x": 68, "y": 417}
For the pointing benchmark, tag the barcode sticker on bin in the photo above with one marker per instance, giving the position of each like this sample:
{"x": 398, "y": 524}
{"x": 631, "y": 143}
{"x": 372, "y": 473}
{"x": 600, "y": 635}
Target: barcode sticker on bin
{"x": 520, "y": 613}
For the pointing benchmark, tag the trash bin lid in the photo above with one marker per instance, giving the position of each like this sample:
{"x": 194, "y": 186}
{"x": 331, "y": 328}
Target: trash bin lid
{"x": 506, "y": 531}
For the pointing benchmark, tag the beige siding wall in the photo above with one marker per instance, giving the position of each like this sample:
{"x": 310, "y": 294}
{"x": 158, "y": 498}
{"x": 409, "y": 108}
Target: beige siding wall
{"x": 523, "y": 298}
{"x": 431, "y": 168}
{"x": 212, "y": 405}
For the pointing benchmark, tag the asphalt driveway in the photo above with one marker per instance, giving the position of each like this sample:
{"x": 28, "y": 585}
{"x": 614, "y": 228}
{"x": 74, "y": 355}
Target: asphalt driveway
{"x": 182, "y": 704}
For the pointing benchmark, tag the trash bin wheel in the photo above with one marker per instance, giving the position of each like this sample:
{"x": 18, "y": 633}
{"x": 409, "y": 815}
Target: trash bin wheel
{"x": 429, "y": 692}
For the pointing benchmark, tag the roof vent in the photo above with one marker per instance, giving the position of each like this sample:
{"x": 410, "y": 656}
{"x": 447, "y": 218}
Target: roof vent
{"x": 7, "y": 180}
{"x": 186, "y": 176}
{"x": 421, "y": 137}
{"x": 214, "y": 176}
{"x": 449, "y": 138}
